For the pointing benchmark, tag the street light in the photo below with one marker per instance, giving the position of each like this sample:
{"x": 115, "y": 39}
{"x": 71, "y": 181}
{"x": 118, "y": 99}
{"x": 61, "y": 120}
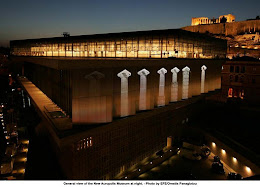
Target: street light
{"x": 223, "y": 151}
{"x": 213, "y": 144}
{"x": 248, "y": 169}
{"x": 234, "y": 159}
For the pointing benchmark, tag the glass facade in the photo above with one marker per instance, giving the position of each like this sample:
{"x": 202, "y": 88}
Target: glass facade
{"x": 143, "y": 44}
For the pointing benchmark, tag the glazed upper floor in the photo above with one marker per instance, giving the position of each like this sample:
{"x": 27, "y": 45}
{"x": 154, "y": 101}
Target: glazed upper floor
{"x": 142, "y": 44}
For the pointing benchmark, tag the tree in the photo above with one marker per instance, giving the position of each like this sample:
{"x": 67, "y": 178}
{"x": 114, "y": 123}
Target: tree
{"x": 257, "y": 17}
{"x": 223, "y": 19}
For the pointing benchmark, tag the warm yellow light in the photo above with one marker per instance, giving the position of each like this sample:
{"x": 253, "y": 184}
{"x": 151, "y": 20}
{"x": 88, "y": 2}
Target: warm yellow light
{"x": 248, "y": 169}
{"x": 213, "y": 144}
{"x": 21, "y": 171}
{"x": 25, "y": 141}
{"x": 234, "y": 159}
{"x": 25, "y": 150}
{"x": 223, "y": 151}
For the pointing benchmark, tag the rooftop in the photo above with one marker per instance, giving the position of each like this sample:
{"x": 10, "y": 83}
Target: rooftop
{"x": 123, "y": 35}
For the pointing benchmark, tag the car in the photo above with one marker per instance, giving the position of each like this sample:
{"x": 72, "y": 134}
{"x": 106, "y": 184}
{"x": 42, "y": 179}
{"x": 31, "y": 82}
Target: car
{"x": 160, "y": 153}
{"x": 189, "y": 154}
{"x": 205, "y": 152}
{"x": 216, "y": 159}
{"x": 234, "y": 176}
{"x": 217, "y": 167}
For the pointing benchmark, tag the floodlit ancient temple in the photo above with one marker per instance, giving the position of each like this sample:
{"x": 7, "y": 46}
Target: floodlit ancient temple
{"x": 127, "y": 91}
{"x": 205, "y": 20}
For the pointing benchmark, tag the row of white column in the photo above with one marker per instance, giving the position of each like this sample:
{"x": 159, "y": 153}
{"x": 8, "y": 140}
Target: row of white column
{"x": 161, "y": 96}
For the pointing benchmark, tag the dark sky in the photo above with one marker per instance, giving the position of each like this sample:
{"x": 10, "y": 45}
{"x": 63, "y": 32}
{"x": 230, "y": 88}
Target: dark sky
{"x": 21, "y": 19}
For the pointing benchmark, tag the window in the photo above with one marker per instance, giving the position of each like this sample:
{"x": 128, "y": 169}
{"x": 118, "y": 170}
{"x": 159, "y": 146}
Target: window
{"x": 236, "y": 78}
{"x": 231, "y": 68}
{"x": 241, "y": 94}
{"x": 237, "y": 69}
{"x": 231, "y": 78}
{"x": 243, "y": 69}
{"x": 230, "y": 92}
{"x": 241, "y": 79}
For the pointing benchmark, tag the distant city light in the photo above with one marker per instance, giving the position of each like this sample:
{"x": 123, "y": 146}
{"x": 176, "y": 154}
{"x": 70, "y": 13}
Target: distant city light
{"x": 234, "y": 159}
{"x": 139, "y": 169}
{"x": 213, "y": 144}
{"x": 151, "y": 162}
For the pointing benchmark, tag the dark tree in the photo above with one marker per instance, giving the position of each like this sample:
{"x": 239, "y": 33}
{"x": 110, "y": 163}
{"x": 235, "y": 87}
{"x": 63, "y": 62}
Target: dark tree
{"x": 223, "y": 19}
{"x": 257, "y": 17}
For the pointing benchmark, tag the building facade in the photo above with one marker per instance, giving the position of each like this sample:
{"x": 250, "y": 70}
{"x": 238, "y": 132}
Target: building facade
{"x": 240, "y": 81}
{"x": 142, "y": 44}
{"x": 117, "y": 110}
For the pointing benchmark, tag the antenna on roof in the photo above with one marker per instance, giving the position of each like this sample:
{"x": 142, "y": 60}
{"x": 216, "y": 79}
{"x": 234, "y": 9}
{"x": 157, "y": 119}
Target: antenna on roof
{"x": 66, "y": 34}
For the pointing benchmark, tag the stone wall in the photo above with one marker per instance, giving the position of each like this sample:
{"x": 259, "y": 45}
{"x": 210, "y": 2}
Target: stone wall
{"x": 234, "y": 28}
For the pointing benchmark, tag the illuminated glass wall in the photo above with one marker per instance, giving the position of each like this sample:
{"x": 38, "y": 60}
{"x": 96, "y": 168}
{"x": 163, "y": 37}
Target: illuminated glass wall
{"x": 148, "y": 45}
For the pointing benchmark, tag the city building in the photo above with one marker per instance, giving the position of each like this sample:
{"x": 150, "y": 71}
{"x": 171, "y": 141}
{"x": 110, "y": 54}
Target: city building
{"x": 205, "y": 20}
{"x": 108, "y": 101}
{"x": 240, "y": 80}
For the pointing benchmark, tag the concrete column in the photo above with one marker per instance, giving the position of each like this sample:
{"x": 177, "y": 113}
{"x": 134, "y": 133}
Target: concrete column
{"x": 161, "y": 95}
{"x": 124, "y": 92}
{"x": 174, "y": 86}
{"x": 185, "y": 82}
{"x": 143, "y": 87}
{"x": 202, "y": 87}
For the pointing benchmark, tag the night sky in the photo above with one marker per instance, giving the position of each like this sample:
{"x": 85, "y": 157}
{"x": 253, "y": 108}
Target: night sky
{"x": 23, "y": 19}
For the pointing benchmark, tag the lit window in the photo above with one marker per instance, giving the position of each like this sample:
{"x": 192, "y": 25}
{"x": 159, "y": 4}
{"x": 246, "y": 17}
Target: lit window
{"x": 241, "y": 94}
{"x": 230, "y": 92}
{"x": 90, "y": 142}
